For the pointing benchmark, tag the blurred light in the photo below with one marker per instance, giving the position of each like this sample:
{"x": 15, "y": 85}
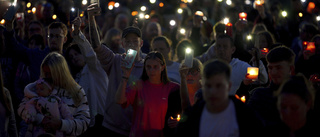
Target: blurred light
{"x": 34, "y": 10}
{"x": 229, "y": 2}
{"x": 29, "y": 11}
{"x": 110, "y": 7}
{"x": 54, "y": 16}
{"x": 84, "y": 2}
{"x": 117, "y": 4}
{"x": 204, "y": 18}
{"x": 2, "y": 22}
{"x": 72, "y": 9}
{"x": 143, "y": 8}
{"x": 152, "y": 1}
{"x": 141, "y": 15}
{"x": 183, "y": 5}
{"x": 188, "y": 50}
{"x": 112, "y": 3}
{"x": 161, "y": 4}
{"x": 284, "y": 13}
{"x": 229, "y": 24}
{"x": 247, "y": 2}
{"x": 219, "y": 0}
{"x": 184, "y": 1}
{"x": 310, "y": 7}
{"x": 190, "y": 1}
{"x": 249, "y": 37}
{"x": 134, "y": 13}
{"x": 226, "y": 20}
{"x": 180, "y": 11}
{"x": 303, "y": 1}
{"x": 318, "y": 18}
{"x": 183, "y": 31}
{"x": 81, "y": 14}
{"x": 172, "y": 22}
{"x": 199, "y": 13}
{"x": 28, "y": 5}
{"x": 146, "y": 16}
{"x": 300, "y": 14}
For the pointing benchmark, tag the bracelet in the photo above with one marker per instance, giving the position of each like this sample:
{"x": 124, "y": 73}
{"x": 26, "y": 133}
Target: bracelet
{"x": 126, "y": 78}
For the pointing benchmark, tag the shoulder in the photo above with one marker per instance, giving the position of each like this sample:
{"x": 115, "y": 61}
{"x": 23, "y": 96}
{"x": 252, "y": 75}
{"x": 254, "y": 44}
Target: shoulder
{"x": 173, "y": 85}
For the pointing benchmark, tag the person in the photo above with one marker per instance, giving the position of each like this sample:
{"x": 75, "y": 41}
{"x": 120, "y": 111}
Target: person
{"x": 54, "y": 68}
{"x": 295, "y": 101}
{"x": 43, "y": 103}
{"x": 224, "y": 49}
{"x": 117, "y": 121}
{"x": 219, "y": 114}
{"x": 153, "y": 30}
{"x": 57, "y": 36}
{"x": 180, "y": 100}
{"x": 113, "y": 40}
{"x": 280, "y": 67}
{"x": 181, "y": 48}
{"x": 8, "y": 126}
{"x": 89, "y": 74}
{"x": 163, "y": 45}
{"x": 148, "y": 96}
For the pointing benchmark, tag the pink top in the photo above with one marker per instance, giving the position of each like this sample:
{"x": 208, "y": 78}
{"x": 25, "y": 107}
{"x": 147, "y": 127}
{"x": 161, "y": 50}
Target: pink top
{"x": 150, "y": 102}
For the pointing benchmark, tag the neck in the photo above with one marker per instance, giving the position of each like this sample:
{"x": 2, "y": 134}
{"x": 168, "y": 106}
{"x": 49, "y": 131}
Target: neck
{"x": 155, "y": 80}
{"x": 217, "y": 108}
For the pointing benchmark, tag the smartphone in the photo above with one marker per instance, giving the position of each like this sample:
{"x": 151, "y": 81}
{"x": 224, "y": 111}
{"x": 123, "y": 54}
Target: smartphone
{"x": 12, "y": 10}
{"x": 131, "y": 55}
{"x": 96, "y": 1}
{"x": 74, "y": 13}
{"x": 20, "y": 16}
{"x": 188, "y": 60}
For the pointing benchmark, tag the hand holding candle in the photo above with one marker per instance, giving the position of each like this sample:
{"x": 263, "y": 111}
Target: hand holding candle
{"x": 178, "y": 117}
{"x": 264, "y": 51}
{"x": 243, "y": 16}
{"x": 311, "y": 47}
{"x": 253, "y": 73}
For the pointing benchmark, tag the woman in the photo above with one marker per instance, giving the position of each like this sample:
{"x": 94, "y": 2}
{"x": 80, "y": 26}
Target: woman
{"x": 148, "y": 96}
{"x": 179, "y": 101}
{"x": 163, "y": 45}
{"x": 54, "y": 68}
{"x": 7, "y": 118}
{"x": 295, "y": 104}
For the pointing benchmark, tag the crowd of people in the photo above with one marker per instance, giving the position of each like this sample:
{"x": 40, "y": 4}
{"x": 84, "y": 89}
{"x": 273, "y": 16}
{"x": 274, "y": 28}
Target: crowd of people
{"x": 152, "y": 68}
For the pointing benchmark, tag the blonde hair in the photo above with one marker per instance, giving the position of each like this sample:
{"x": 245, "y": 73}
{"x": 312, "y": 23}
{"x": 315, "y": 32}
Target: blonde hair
{"x": 61, "y": 75}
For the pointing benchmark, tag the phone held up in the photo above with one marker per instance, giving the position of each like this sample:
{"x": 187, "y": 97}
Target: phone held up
{"x": 130, "y": 57}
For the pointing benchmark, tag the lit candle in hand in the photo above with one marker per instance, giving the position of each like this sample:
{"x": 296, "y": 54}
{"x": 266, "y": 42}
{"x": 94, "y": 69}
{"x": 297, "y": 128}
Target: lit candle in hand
{"x": 243, "y": 16}
{"x": 252, "y": 72}
{"x": 243, "y": 99}
{"x": 311, "y": 47}
{"x": 178, "y": 117}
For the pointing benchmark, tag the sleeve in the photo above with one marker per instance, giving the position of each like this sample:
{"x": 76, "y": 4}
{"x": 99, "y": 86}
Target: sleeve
{"x": 86, "y": 50}
{"x": 106, "y": 57}
{"x": 12, "y": 129}
{"x": 174, "y": 108}
{"x": 81, "y": 117}
{"x": 64, "y": 110}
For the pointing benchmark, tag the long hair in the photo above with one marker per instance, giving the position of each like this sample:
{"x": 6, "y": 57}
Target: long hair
{"x": 155, "y": 55}
{"x": 61, "y": 75}
{"x": 164, "y": 39}
{"x": 3, "y": 96}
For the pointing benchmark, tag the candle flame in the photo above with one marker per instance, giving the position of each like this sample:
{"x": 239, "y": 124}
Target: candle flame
{"x": 243, "y": 99}
{"x": 178, "y": 117}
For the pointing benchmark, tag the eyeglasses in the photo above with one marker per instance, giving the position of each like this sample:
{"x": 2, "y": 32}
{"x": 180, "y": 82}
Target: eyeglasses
{"x": 57, "y": 36}
{"x": 194, "y": 71}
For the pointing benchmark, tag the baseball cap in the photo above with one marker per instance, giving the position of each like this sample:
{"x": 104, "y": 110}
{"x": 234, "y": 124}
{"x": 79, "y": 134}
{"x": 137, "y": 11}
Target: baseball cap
{"x": 131, "y": 29}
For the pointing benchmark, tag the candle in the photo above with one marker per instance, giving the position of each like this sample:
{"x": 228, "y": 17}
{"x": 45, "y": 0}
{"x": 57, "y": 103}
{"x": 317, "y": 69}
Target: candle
{"x": 243, "y": 99}
{"x": 264, "y": 51}
{"x": 243, "y": 16}
{"x": 311, "y": 47}
{"x": 229, "y": 29}
{"x": 178, "y": 117}
{"x": 259, "y": 2}
{"x": 253, "y": 73}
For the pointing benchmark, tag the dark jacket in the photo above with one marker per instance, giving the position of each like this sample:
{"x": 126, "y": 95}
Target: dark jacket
{"x": 189, "y": 125}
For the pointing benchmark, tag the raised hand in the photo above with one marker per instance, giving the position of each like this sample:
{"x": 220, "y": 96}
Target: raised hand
{"x": 94, "y": 10}
{"x": 76, "y": 25}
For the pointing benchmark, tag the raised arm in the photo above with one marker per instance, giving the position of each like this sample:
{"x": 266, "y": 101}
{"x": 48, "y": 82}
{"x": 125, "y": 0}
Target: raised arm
{"x": 120, "y": 96}
{"x": 185, "y": 102}
{"x": 93, "y": 10}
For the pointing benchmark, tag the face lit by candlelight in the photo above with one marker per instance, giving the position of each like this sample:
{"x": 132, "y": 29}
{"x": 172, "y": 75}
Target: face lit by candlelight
{"x": 280, "y": 71}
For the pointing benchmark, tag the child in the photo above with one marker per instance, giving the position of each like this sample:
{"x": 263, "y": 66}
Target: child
{"x": 43, "y": 103}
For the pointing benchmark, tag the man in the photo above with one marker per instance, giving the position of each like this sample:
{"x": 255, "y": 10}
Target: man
{"x": 224, "y": 49}
{"x": 219, "y": 114}
{"x": 117, "y": 121}
{"x": 280, "y": 67}
{"x": 153, "y": 30}
{"x": 57, "y": 36}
